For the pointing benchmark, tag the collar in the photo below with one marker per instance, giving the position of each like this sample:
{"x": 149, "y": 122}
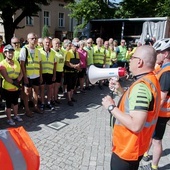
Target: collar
{"x": 47, "y": 51}
{"x": 165, "y": 65}
{"x": 140, "y": 75}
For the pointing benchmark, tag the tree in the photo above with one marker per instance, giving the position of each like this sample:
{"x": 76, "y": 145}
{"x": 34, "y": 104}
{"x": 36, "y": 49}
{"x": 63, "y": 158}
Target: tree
{"x": 144, "y": 8}
{"x": 88, "y": 9}
{"x": 8, "y": 9}
{"x": 45, "y": 31}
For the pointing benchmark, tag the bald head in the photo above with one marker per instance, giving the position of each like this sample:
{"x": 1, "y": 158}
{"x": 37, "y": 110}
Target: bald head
{"x": 147, "y": 54}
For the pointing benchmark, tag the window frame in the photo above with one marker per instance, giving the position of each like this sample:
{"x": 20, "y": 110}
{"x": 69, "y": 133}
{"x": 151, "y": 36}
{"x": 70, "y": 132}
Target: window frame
{"x": 46, "y": 19}
{"x": 61, "y": 20}
{"x": 29, "y": 21}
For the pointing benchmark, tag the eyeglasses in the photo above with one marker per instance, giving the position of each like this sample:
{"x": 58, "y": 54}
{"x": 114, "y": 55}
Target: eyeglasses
{"x": 133, "y": 57}
{"x": 16, "y": 43}
{"x": 89, "y": 42}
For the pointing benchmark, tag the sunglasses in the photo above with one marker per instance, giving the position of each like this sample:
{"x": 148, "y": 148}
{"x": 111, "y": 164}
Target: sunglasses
{"x": 16, "y": 43}
{"x": 33, "y": 38}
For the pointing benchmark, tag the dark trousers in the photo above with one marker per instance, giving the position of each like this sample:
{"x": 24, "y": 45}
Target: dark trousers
{"x": 120, "y": 164}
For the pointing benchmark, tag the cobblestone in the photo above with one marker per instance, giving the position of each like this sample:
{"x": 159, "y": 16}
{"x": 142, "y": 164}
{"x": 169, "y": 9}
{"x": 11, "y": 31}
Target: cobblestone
{"x": 85, "y": 142}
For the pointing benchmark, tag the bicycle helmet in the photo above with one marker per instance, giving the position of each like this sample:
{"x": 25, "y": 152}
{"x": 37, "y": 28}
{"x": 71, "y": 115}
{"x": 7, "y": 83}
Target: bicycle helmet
{"x": 162, "y": 44}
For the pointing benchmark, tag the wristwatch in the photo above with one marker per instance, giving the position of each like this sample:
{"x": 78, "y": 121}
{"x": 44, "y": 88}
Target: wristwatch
{"x": 111, "y": 107}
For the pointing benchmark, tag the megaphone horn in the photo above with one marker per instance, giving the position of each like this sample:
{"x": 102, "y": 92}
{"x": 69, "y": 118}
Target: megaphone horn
{"x": 95, "y": 74}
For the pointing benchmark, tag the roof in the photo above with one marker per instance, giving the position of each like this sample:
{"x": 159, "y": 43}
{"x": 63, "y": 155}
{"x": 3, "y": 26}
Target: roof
{"x": 133, "y": 19}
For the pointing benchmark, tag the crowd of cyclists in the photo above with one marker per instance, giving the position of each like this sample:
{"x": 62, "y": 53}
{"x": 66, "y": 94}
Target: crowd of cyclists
{"x": 36, "y": 71}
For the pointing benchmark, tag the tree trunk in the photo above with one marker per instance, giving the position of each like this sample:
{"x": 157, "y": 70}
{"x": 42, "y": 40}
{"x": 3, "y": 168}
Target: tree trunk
{"x": 9, "y": 31}
{"x": 8, "y": 23}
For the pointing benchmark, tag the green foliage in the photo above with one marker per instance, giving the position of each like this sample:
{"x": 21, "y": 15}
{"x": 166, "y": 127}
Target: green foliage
{"x": 88, "y": 9}
{"x": 45, "y": 31}
{"x": 143, "y": 8}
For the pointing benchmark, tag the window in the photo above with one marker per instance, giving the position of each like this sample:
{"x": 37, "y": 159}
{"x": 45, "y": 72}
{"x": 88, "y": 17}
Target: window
{"x": 61, "y": 20}
{"x": 46, "y": 18}
{"x": 61, "y": 5}
{"x": 29, "y": 20}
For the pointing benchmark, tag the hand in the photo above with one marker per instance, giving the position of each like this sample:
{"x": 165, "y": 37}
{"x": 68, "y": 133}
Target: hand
{"x": 16, "y": 83}
{"x": 77, "y": 67}
{"x": 19, "y": 79}
{"x": 26, "y": 80}
{"x": 107, "y": 101}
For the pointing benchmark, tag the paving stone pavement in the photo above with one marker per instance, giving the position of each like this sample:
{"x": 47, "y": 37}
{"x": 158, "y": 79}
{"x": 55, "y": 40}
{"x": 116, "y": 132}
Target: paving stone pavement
{"x": 84, "y": 143}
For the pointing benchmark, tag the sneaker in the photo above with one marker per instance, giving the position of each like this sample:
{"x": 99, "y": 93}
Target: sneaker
{"x": 70, "y": 103}
{"x": 146, "y": 158}
{"x": 42, "y": 107}
{"x": 11, "y": 122}
{"x": 18, "y": 118}
{"x": 146, "y": 167}
{"x": 50, "y": 106}
{"x": 73, "y": 100}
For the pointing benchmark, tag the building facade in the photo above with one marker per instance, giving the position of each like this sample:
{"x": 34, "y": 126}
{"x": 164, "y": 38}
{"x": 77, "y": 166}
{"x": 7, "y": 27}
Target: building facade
{"x": 55, "y": 16}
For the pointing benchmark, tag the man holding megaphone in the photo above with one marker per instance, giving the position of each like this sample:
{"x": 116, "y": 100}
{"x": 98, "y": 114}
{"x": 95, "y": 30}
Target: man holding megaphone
{"x": 136, "y": 113}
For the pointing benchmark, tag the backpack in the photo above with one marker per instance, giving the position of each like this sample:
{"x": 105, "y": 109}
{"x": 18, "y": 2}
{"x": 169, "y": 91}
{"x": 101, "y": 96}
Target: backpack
{"x": 26, "y": 58}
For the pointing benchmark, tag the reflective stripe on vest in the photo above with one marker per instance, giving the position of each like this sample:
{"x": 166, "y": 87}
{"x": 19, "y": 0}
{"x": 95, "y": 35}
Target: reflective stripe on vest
{"x": 17, "y": 150}
{"x": 47, "y": 62}
{"x": 33, "y": 66}
{"x": 127, "y": 144}
{"x": 60, "y": 59}
{"x": 165, "y": 109}
{"x": 98, "y": 55}
{"x": 15, "y": 154}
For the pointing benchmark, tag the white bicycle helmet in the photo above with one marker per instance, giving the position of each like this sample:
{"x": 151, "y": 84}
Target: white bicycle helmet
{"x": 162, "y": 44}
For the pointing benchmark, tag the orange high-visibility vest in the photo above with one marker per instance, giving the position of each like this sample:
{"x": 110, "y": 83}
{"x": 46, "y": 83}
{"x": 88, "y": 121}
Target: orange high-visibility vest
{"x": 157, "y": 68}
{"x": 127, "y": 144}
{"x": 17, "y": 151}
{"x": 165, "y": 109}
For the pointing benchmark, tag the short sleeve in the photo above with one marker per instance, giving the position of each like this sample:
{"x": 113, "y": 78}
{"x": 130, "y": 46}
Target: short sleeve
{"x": 68, "y": 54}
{"x": 22, "y": 55}
{"x": 165, "y": 81}
{"x": 140, "y": 97}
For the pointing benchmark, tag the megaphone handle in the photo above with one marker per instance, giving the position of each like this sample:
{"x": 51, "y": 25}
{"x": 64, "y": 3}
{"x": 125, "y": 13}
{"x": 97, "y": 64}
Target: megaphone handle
{"x": 111, "y": 94}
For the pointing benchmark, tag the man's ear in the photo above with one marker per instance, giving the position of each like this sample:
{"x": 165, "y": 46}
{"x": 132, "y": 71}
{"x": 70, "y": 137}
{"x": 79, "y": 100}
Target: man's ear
{"x": 140, "y": 63}
{"x": 167, "y": 54}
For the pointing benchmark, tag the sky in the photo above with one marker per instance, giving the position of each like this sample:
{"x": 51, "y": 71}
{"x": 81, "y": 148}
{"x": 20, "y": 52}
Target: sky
{"x": 115, "y": 1}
